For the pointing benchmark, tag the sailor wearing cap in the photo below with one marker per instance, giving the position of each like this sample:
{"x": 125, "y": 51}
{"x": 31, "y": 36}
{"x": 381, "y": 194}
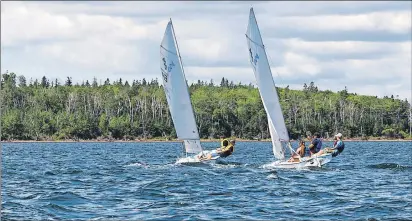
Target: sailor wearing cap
{"x": 338, "y": 147}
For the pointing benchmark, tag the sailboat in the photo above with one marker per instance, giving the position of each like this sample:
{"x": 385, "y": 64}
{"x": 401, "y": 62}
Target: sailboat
{"x": 177, "y": 96}
{"x": 270, "y": 99}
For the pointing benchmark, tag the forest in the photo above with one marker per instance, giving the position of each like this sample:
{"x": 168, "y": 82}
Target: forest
{"x": 44, "y": 110}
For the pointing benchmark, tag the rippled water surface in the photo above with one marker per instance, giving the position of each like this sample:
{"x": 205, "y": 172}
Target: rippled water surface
{"x": 139, "y": 181}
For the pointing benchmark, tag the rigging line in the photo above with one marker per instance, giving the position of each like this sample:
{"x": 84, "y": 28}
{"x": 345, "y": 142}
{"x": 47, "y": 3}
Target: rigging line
{"x": 271, "y": 64}
{"x": 291, "y": 149}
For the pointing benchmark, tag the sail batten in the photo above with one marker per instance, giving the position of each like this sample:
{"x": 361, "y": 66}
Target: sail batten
{"x": 177, "y": 93}
{"x": 255, "y": 42}
{"x": 266, "y": 85}
{"x": 169, "y": 51}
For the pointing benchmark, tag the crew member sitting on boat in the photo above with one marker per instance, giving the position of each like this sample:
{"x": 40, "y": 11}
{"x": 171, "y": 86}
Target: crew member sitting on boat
{"x": 300, "y": 152}
{"x": 316, "y": 144}
{"x": 223, "y": 142}
{"x": 338, "y": 147}
{"x": 225, "y": 150}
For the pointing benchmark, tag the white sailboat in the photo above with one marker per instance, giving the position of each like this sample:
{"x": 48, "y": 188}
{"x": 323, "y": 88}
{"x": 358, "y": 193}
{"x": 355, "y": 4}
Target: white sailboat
{"x": 178, "y": 98}
{"x": 270, "y": 99}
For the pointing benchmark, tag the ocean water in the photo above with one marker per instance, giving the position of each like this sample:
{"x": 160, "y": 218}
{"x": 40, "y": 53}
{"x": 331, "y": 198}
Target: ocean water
{"x": 139, "y": 181}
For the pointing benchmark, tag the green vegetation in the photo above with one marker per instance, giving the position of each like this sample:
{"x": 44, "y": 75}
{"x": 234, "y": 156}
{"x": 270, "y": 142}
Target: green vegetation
{"x": 45, "y": 110}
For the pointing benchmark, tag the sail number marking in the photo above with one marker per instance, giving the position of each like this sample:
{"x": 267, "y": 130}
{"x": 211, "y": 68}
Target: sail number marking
{"x": 168, "y": 68}
{"x": 255, "y": 59}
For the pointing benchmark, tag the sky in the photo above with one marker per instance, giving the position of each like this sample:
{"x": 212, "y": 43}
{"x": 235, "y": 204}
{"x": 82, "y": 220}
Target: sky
{"x": 365, "y": 45}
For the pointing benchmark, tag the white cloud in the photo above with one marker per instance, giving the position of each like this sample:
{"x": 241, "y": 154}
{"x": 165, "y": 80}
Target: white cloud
{"x": 202, "y": 48}
{"x": 352, "y": 47}
{"x": 297, "y": 63}
{"x": 23, "y": 23}
{"x": 113, "y": 40}
{"x": 94, "y": 54}
{"x": 216, "y": 73}
{"x": 395, "y": 22}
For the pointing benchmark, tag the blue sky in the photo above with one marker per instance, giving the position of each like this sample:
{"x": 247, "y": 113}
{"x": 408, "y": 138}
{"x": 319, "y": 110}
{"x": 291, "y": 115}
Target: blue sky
{"x": 365, "y": 46}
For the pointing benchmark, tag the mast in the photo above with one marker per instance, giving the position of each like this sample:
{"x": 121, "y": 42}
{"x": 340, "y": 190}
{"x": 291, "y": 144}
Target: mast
{"x": 266, "y": 85}
{"x": 187, "y": 86}
{"x": 180, "y": 61}
{"x": 183, "y": 70}
{"x": 177, "y": 92}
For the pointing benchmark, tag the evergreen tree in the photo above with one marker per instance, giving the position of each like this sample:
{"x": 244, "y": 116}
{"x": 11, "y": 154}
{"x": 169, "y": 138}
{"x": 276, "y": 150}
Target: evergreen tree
{"x": 68, "y": 82}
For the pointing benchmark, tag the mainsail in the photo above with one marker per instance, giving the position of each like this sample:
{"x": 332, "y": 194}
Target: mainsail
{"x": 177, "y": 93}
{"x": 266, "y": 85}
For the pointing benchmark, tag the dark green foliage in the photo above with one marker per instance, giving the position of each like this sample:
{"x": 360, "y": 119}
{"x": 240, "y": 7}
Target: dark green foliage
{"x": 68, "y": 82}
{"x": 44, "y": 111}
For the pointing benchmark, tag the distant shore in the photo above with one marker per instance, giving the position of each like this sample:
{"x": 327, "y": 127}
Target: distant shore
{"x": 178, "y": 141}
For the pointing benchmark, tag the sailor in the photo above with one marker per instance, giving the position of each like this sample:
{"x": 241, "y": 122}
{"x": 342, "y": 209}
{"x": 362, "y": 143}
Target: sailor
{"x": 338, "y": 147}
{"x": 227, "y": 150}
{"x": 223, "y": 142}
{"x": 316, "y": 144}
{"x": 300, "y": 152}
{"x": 301, "y": 148}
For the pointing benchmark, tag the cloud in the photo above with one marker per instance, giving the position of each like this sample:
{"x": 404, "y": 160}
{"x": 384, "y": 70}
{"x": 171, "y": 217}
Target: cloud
{"x": 394, "y": 22}
{"x": 352, "y": 48}
{"x": 363, "y": 45}
{"x": 27, "y": 24}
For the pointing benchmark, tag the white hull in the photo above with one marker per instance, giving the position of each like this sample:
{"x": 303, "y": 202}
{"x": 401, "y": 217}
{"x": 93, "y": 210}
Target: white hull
{"x": 195, "y": 159}
{"x": 305, "y": 163}
{"x": 318, "y": 161}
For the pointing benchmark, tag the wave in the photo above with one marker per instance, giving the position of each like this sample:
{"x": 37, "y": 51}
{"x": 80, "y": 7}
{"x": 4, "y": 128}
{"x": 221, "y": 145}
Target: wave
{"x": 66, "y": 198}
{"x": 25, "y": 196}
{"x": 137, "y": 164}
{"x": 390, "y": 166}
{"x": 60, "y": 208}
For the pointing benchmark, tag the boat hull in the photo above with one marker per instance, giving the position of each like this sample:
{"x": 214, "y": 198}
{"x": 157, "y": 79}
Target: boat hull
{"x": 286, "y": 165}
{"x": 317, "y": 161}
{"x": 195, "y": 159}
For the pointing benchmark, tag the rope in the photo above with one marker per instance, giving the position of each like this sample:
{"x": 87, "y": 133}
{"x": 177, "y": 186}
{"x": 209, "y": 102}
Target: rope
{"x": 271, "y": 64}
{"x": 293, "y": 151}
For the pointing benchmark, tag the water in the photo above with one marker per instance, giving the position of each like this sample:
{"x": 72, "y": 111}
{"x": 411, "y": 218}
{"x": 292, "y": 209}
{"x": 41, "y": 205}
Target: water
{"x": 139, "y": 181}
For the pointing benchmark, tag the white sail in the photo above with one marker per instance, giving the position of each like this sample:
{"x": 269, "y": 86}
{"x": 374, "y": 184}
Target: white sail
{"x": 177, "y": 93}
{"x": 266, "y": 85}
{"x": 276, "y": 144}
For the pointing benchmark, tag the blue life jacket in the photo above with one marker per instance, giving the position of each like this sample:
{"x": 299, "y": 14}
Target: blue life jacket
{"x": 340, "y": 146}
{"x": 319, "y": 145}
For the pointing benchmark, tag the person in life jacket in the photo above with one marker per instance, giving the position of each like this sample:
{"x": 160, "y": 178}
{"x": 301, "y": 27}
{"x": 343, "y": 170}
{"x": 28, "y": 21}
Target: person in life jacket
{"x": 225, "y": 150}
{"x": 316, "y": 144}
{"x": 338, "y": 147}
{"x": 223, "y": 142}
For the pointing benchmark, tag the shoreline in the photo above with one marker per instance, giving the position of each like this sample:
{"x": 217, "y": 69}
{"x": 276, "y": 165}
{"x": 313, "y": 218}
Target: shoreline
{"x": 178, "y": 141}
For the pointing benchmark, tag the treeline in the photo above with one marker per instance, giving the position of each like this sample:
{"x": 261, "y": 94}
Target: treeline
{"x": 44, "y": 110}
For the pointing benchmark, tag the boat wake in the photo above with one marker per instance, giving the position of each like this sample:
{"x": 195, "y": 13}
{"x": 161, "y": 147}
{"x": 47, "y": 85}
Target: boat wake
{"x": 138, "y": 164}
